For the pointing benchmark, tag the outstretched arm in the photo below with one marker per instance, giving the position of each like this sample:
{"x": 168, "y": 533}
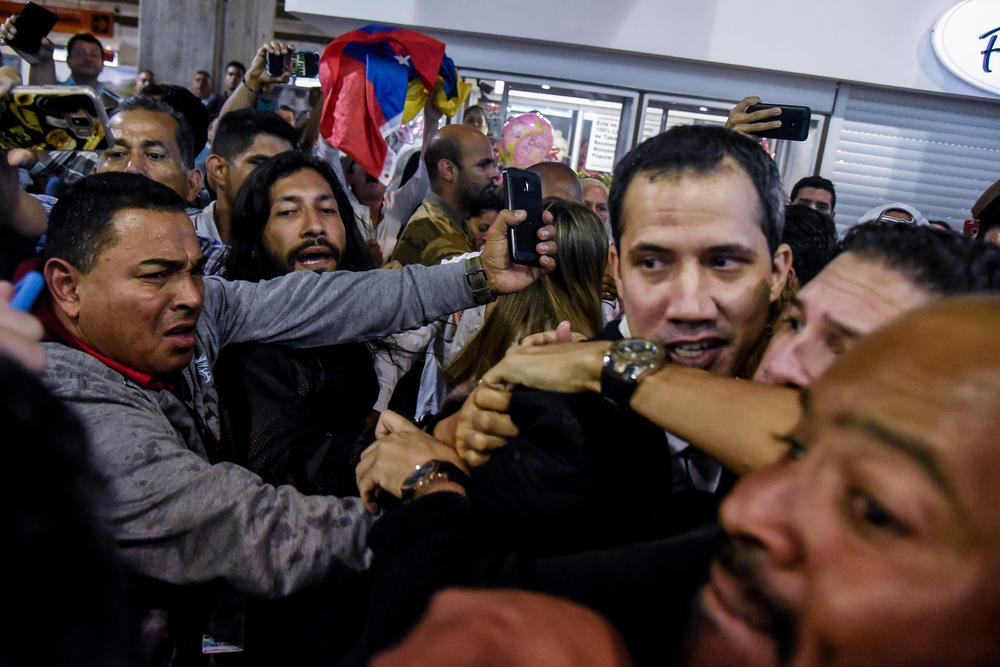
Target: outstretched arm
{"x": 684, "y": 401}
{"x": 180, "y": 519}
{"x": 404, "y": 200}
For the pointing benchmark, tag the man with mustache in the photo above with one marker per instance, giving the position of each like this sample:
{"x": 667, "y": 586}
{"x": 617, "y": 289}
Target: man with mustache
{"x": 294, "y": 416}
{"x": 463, "y": 175}
{"x": 134, "y": 334}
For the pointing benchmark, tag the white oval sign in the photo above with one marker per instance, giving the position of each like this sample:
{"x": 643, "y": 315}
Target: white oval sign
{"x": 967, "y": 41}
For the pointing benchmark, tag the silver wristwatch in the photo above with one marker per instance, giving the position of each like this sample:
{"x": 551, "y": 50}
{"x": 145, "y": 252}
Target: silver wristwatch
{"x": 627, "y": 362}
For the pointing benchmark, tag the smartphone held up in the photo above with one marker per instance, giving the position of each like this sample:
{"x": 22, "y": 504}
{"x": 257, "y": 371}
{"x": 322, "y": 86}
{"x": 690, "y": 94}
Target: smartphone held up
{"x": 297, "y": 63}
{"x": 32, "y": 25}
{"x": 794, "y": 122}
{"x": 523, "y": 191}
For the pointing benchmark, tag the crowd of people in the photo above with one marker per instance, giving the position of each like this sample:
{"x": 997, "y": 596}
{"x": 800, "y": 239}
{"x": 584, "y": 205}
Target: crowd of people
{"x": 266, "y": 410}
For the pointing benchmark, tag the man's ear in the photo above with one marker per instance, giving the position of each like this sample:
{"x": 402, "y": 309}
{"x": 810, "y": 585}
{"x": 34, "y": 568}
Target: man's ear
{"x": 781, "y": 264}
{"x": 192, "y": 184}
{"x": 62, "y": 279}
{"x": 615, "y": 263}
{"x": 447, "y": 169}
{"x": 217, "y": 169}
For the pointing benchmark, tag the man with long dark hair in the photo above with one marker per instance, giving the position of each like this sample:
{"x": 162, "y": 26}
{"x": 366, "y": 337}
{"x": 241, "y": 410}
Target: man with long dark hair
{"x": 295, "y": 416}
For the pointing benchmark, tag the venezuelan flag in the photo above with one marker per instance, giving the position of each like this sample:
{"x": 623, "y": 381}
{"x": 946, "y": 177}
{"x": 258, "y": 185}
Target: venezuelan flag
{"x": 375, "y": 79}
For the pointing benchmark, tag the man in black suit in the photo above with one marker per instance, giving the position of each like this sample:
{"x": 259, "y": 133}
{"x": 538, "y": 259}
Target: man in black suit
{"x": 696, "y": 216}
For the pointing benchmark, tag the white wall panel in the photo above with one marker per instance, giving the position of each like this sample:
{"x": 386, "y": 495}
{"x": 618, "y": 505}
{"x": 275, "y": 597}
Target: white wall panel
{"x": 885, "y": 42}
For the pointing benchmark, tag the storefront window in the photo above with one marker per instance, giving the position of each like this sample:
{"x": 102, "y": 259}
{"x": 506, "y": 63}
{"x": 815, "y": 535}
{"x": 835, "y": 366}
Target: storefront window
{"x": 590, "y": 128}
{"x": 585, "y": 127}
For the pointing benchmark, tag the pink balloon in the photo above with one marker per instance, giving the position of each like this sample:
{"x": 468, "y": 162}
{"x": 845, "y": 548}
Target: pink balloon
{"x": 525, "y": 140}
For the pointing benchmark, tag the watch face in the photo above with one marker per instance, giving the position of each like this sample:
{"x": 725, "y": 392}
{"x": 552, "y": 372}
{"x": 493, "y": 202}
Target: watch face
{"x": 633, "y": 356}
{"x": 636, "y": 351}
{"x": 421, "y": 471}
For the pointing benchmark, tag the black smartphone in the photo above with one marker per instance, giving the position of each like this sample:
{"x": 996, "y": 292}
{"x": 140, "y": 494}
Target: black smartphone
{"x": 33, "y": 23}
{"x": 299, "y": 63}
{"x": 524, "y": 192}
{"x": 794, "y": 122}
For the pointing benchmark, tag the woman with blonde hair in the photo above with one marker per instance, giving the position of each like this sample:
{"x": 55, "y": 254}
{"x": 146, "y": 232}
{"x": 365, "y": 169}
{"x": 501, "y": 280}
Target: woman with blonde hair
{"x": 572, "y": 292}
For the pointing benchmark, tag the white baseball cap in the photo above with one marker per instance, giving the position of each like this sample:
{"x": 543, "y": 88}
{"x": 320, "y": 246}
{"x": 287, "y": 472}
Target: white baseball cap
{"x": 884, "y": 212}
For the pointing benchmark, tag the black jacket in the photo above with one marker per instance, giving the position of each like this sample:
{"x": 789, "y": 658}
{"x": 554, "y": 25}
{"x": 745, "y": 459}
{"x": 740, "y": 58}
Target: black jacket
{"x": 583, "y": 476}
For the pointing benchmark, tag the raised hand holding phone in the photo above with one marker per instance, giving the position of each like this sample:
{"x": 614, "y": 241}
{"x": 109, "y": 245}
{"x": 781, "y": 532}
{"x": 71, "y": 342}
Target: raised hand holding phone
{"x": 269, "y": 53}
{"x": 26, "y": 31}
{"x": 503, "y": 274}
{"x": 794, "y": 122}
{"x": 754, "y": 119}
{"x": 523, "y": 191}
{"x": 297, "y": 63}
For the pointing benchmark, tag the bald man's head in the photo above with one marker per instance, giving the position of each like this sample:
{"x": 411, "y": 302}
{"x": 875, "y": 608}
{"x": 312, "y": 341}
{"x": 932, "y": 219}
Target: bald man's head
{"x": 461, "y": 166}
{"x": 558, "y": 181}
{"x": 451, "y": 143}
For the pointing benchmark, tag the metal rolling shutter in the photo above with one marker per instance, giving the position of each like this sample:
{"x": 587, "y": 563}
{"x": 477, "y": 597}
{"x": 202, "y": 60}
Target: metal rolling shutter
{"x": 937, "y": 153}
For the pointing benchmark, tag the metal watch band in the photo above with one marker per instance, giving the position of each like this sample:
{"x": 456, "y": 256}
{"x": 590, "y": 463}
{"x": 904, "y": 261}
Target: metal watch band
{"x": 476, "y": 276}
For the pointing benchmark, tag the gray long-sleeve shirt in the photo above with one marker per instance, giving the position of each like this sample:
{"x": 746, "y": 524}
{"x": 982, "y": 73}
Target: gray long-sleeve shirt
{"x": 181, "y": 519}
